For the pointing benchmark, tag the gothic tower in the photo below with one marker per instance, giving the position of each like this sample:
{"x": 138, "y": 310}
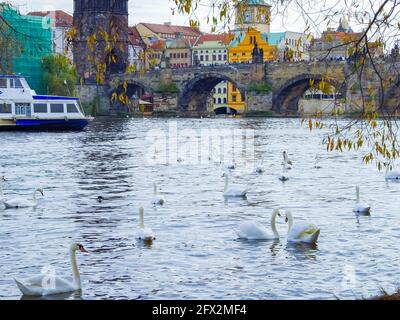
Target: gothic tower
{"x": 101, "y": 37}
{"x": 254, "y": 14}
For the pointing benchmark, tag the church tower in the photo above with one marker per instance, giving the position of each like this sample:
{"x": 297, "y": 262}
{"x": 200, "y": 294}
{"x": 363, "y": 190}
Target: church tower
{"x": 101, "y": 37}
{"x": 254, "y": 14}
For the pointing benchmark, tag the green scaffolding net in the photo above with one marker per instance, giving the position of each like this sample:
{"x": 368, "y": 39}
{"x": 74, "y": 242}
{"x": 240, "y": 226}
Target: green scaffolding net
{"x": 24, "y": 41}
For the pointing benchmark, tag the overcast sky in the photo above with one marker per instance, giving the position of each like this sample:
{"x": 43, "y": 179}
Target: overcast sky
{"x": 156, "y": 11}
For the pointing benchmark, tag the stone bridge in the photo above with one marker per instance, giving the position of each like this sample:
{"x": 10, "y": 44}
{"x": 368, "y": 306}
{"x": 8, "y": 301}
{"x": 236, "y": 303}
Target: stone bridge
{"x": 289, "y": 81}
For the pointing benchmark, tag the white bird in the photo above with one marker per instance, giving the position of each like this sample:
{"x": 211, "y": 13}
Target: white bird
{"x": 260, "y": 169}
{"x": 144, "y": 234}
{"x": 361, "y": 208}
{"x": 47, "y": 284}
{"x": 157, "y": 200}
{"x": 316, "y": 164}
{"x": 253, "y": 230}
{"x": 301, "y": 232}
{"x": 284, "y": 177}
{"x": 21, "y": 202}
{"x": 235, "y": 191}
{"x": 286, "y": 162}
{"x": 392, "y": 175}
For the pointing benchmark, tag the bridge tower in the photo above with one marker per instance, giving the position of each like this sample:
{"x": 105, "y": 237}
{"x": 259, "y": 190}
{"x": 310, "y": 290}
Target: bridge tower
{"x": 100, "y": 17}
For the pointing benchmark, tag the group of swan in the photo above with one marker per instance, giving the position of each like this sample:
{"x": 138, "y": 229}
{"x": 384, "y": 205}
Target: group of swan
{"x": 297, "y": 233}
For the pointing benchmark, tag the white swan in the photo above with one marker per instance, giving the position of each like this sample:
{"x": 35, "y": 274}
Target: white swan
{"x": 392, "y": 175}
{"x": 157, "y": 200}
{"x": 301, "y": 232}
{"x": 286, "y": 162}
{"x": 361, "y": 208}
{"x": 260, "y": 169}
{"x": 21, "y": 202}
{"x": 234, "y": 192}
{"x": 46, "y": 284}
{"x": 253, "y": 230}
{"x": 284, "y": 177}
{"x": 144, "y": 234}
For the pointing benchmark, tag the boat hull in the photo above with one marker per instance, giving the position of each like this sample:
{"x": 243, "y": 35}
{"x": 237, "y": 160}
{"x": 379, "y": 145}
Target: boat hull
{"x": 45, "y": 125}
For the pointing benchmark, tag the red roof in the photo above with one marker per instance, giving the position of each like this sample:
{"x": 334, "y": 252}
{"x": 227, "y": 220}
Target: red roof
{"x": 225, "y": 38}
{"x": 172, "y": 29}
{"x": 62, "y": 19}
{"x": 134, "y": 37}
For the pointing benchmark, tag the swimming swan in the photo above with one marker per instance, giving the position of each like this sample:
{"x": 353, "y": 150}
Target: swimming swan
{"x": 44, "y": 284}
{"x": 301, "y": 232}
{"x": 144, "y": 234}
{"x": 21, "y": 202}
{"x": 157, "y": 200}
{"x": 361, "y": 208}
{"x": 286, "y": 162}
{"x": 253, "y": 230}
{"x": 235, "y": 191}
{"x": 392, "y": 175}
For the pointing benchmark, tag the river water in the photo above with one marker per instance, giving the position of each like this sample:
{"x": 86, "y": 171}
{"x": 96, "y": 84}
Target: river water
{"x": 196, "y": 254}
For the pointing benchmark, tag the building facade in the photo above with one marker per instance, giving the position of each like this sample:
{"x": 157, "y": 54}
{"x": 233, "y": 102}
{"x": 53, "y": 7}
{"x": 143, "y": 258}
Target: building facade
{"x": 136, "y": 50}
{"x": 178, "y": 52}
{"x": 61, "y": 23}
{"x": 334, "y": 44}
{"x": 292, "y": 46}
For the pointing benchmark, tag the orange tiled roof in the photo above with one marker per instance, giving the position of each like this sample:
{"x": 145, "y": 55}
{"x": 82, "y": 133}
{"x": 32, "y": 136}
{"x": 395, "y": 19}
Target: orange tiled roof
{"x": 224, "y": 37}
{"x": 62, "y": 19}
{"x": 172, "y": 29}
{"x": 134, "y": 37}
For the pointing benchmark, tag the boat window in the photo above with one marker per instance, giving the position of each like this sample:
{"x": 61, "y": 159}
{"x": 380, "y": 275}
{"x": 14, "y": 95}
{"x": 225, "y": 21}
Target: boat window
{"x": 40, "y": 108}
{"x": 57, "y": 108}
{"x": 71, "y": 108}
{"x": 3, "y": 83}
{"x": 15, "y": 83}
{"x": 5, "y": 108}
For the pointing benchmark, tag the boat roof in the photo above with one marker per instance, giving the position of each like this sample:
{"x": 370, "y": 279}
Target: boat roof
{"x": 11, "y": 76}
{"x": 41, "y": 97}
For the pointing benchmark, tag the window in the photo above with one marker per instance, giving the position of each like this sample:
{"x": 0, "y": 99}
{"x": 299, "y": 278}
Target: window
{"x": 219, "y": 57}
{"x": 3, "y": 83}
{"x": 214, "y": 57}
{"x": 15, "y": 83}
{"x": 219, "y": 90}
{"x": 201, "y": 58}
{"x": 186, "y": 55}
{"x": 219, "y": 100}
{"x": 225, "y": 57}
{"x": 57, "y": 108}
{"x": 71, "y": 108}
{"x": 215, "y": 101}
{"x": 207, "y": 58}
{"x": 234, "y": 88}
{"x": 5, "y": 108}
{"x": 40, "y": 108}
{"x": 234, "y": 99}
{"x": 224, "y": 90}
{"x": 225, "y": 100}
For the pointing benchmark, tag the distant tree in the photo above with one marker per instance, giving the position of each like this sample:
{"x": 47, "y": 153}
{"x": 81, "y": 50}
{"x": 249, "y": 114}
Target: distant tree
{"x": 59, "y": 75}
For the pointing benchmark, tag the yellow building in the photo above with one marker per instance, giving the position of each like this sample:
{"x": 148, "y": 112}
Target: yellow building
{"x": 241, "y": 51}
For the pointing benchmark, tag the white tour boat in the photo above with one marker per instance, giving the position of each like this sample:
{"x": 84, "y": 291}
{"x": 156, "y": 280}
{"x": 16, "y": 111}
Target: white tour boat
{"x": 22, "y": 109}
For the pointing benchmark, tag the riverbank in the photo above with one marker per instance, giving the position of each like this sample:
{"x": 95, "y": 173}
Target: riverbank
{"x": 388, "y": 297}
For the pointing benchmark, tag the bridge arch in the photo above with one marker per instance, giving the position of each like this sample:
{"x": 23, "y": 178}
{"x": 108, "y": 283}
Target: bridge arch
{"x": 135, "y": 90}
{"x": 195, "y": 94}
{"x": 286, "y": 98}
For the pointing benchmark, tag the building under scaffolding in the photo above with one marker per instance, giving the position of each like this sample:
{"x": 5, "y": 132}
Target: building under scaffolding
{"x": 24, "y": 41}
